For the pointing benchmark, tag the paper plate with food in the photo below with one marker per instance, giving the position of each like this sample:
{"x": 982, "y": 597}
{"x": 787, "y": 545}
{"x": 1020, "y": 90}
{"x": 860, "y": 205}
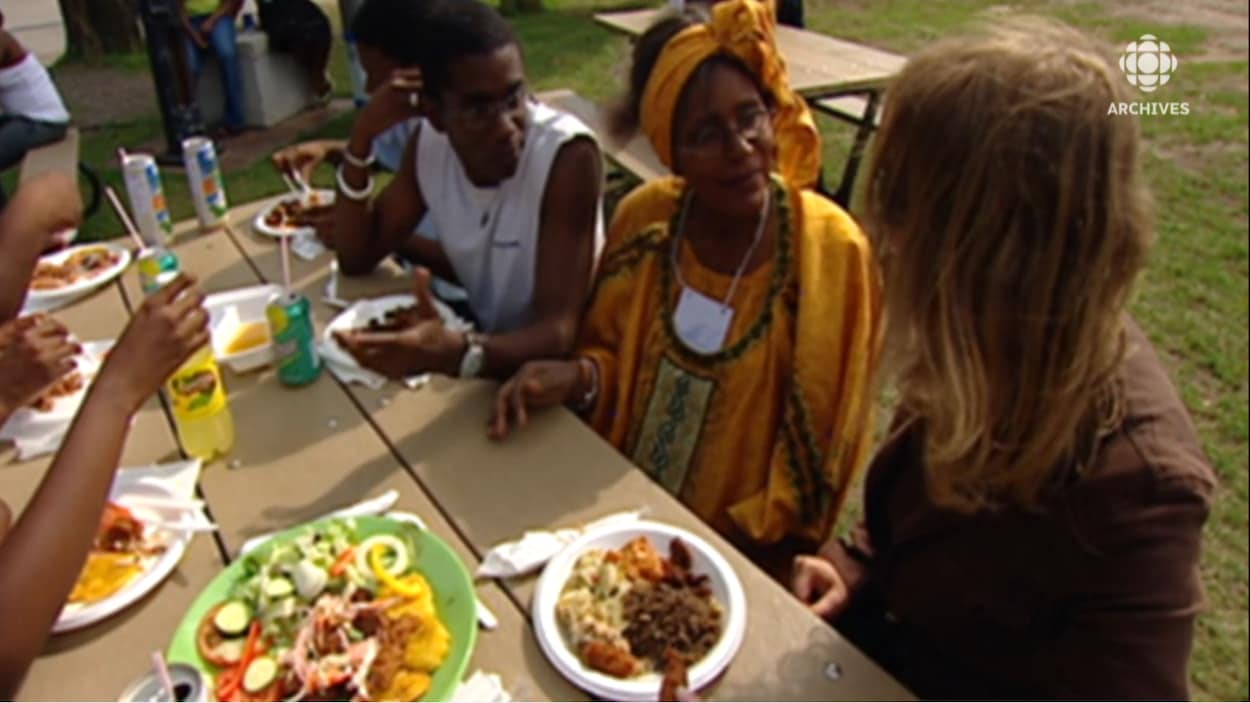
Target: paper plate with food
{"x": 67, "y": 274}
{"x": 363, "y": 609}
{"x": 131, "y": 554}
{"x": 622, "y": 606}
{"x": 386, "y": 314}
{"x": 294, "y": 215}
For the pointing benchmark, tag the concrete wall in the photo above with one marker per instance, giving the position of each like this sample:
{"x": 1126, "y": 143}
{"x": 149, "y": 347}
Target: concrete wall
{"x": 38, "y": 25}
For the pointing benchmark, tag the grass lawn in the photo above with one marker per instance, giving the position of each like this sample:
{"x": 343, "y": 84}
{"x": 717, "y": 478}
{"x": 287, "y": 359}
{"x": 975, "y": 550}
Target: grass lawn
{"x": 1192, "y": 301}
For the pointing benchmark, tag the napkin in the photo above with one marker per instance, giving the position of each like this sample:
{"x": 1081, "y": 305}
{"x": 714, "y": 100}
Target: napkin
{"x": 36, "y": 433}
{"x": 306, "y": 246}
{"x": 536, "y": 547}
{"x": 176, "y": 478}
{"x": 481, "y": 687}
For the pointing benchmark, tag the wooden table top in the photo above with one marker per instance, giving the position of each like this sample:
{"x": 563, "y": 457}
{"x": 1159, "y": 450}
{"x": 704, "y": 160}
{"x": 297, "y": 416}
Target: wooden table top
{"x": 300, "y": 453}
{"x": 819, "y": 65}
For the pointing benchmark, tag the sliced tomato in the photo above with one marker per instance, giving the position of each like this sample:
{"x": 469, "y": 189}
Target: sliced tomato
{"x": 207, "y": 639}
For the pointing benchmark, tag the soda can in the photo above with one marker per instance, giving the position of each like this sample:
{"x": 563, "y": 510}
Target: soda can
{"x": 189, "y": 686}
{"x": 294, "y": 346}
{"x": 204, "y": 180}
{"x": 157, "y": 266}
{"x": 147, "y": 198}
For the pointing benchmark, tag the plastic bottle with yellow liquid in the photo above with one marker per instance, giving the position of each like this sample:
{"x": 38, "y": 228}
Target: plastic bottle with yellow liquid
{"x": 196, "y": 392}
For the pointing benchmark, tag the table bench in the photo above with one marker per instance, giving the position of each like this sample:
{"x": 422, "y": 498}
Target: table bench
{"x": 274, "y": 85}
{"x": 636, "y": 156}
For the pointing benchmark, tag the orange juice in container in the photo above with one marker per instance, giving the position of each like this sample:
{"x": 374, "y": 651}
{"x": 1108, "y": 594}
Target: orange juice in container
{"x": 147, "y": 198}
{"x": 208, "y": 193}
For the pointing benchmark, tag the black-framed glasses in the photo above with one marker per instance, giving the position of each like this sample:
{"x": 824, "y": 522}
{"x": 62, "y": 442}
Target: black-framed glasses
{"x": 480, "y": 114}
{"x": 750, "y": 124}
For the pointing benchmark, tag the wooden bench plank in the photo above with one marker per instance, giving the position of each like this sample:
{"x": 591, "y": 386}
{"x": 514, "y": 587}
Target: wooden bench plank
{"x": 58, "y": 156}
{"x": 848, "y": 107}
{"x": 636, "y": 156}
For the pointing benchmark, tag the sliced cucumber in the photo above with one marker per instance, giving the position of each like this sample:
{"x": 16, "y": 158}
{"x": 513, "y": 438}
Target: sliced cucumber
{"x": 260, "y": 673}
{"x": 231, "y": 651}
{"x": 233, "y": 618}
{"x": 278, "y": 587}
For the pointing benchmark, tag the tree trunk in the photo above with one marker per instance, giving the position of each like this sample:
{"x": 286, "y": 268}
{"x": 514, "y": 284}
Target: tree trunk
{"x": 95, "y": 27}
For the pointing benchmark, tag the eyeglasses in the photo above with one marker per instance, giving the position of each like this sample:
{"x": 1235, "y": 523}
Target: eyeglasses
{"x": 481, "y": 114}
{"x": 749, "y": 125}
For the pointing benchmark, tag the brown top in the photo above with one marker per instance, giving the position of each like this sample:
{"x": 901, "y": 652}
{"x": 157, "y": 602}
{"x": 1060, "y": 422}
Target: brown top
{"x": 1093, "y": 598}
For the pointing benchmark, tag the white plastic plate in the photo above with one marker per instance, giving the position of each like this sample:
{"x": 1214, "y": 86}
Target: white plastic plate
{"x": 706, "y": 560}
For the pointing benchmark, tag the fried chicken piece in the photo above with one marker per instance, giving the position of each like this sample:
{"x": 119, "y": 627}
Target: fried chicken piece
{"x": 611, "y": 660}
{"x": 676, "y": 676}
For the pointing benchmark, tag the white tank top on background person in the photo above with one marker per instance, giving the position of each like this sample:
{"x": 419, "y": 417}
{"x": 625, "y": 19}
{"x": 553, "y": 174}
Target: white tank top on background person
{"x": 490, "y": 235}
{"x": 27, "y": 90}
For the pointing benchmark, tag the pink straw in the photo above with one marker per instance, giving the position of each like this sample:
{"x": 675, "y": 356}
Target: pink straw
{"x": 125, "y": 218}
{"x": 284, "y": 245}
{"x": 158, "y": 663}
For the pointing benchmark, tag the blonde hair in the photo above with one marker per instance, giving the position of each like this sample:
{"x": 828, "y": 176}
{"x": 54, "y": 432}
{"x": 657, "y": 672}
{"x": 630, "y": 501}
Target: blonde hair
{"x": 1009, "y": 212}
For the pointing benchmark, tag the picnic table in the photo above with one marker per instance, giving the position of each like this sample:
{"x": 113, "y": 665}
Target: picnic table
{"x": 840, "y": 77}
{"x": 300, "y": 453}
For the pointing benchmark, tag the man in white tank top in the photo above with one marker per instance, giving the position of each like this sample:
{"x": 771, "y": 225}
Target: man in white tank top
{"x": 512, "y": 187}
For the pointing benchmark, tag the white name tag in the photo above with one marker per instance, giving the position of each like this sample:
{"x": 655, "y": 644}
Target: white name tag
{"x": 702, "y": 323}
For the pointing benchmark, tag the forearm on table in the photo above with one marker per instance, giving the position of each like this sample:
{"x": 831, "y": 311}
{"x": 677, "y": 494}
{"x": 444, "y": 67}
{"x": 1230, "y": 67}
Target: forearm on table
{"x": 42, "y": 555}
{"x": 428, "y": 253}
{"x": 549, "y": 338}
{"x": 21, "y": 247}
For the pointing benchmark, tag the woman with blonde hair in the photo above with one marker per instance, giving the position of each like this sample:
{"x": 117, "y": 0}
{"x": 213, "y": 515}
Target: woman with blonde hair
{"x": 728, "y": 343}
{"x": 1032, "y": 524}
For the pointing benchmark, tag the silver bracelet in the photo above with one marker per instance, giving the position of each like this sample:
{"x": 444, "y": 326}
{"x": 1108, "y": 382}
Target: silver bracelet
{"x": 351, "y": 193}
{"x": 364, "y": 163}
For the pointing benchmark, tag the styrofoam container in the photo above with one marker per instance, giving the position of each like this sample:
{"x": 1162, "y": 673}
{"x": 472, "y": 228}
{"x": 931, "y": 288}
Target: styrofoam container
{"x": 705, "y": 560}
{"x": 232, "y": 310}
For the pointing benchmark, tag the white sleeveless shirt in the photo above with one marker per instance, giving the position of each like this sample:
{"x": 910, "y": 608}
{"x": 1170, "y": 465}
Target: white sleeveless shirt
{"x": 27, "y": 90}
{"x": 496, "y": 261}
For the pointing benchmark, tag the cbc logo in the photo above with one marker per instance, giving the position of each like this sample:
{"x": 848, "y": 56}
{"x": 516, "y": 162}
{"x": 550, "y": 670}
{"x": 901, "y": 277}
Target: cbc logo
{"x": 1148, "y": 63}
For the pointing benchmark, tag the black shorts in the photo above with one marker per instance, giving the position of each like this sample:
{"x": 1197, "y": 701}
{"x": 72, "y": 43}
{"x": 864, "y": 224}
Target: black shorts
{"x": 290, "y": 23}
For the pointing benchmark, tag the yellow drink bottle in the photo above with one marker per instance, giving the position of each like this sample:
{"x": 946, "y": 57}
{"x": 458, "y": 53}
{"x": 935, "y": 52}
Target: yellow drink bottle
{"x": 200, "y": 406}
{"x": 195, "y": 392}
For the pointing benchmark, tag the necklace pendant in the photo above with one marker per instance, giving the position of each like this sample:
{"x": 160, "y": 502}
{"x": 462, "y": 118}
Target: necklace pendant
{"x": 485, "y": 218}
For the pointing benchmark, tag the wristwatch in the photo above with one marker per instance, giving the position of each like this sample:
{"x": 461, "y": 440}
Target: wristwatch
{"x": 474, "y": 356}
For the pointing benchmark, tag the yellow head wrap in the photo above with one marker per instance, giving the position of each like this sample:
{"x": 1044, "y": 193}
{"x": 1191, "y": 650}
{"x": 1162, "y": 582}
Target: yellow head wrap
{"x": 743, "y": 29}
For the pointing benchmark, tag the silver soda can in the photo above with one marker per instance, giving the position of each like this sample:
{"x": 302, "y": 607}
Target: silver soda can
{"x": 208, "y": 192}
{"x": 190, "y": 686}
{"x": 147, "y": 198}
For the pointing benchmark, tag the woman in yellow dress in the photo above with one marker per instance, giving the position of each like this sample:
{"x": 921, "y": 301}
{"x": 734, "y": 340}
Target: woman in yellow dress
{"x": 728, "y": 345}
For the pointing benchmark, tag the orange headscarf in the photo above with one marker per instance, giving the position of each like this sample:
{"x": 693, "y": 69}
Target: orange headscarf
{"x": 743, "y": 29}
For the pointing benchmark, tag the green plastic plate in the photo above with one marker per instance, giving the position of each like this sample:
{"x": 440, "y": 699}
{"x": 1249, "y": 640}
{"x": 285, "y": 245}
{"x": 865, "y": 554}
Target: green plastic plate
{"x": 454, "y": 599}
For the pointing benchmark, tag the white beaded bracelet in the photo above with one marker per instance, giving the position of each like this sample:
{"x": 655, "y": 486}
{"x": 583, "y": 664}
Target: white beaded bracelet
{"x": 352, "y": 159}
{"x": 351, "y": 193}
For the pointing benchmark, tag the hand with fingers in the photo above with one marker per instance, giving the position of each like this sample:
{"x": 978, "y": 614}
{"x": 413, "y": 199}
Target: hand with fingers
{"x": 816, "y": 582}
{"x": 304, "y": 158}
{"x": 396, "y": 100}
{"x": 164, "y": 332}
{"x": 35, "y": 352}
{"x": 425, "y": 345}
{"x": 536, "y": 386}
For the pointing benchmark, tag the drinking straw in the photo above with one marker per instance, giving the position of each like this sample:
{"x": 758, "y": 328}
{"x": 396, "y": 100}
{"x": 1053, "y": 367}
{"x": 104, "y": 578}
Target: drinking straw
{"x": 125, "y": 218}
{"x": 158, "y": 663}
{"x": 284, "y": 245}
